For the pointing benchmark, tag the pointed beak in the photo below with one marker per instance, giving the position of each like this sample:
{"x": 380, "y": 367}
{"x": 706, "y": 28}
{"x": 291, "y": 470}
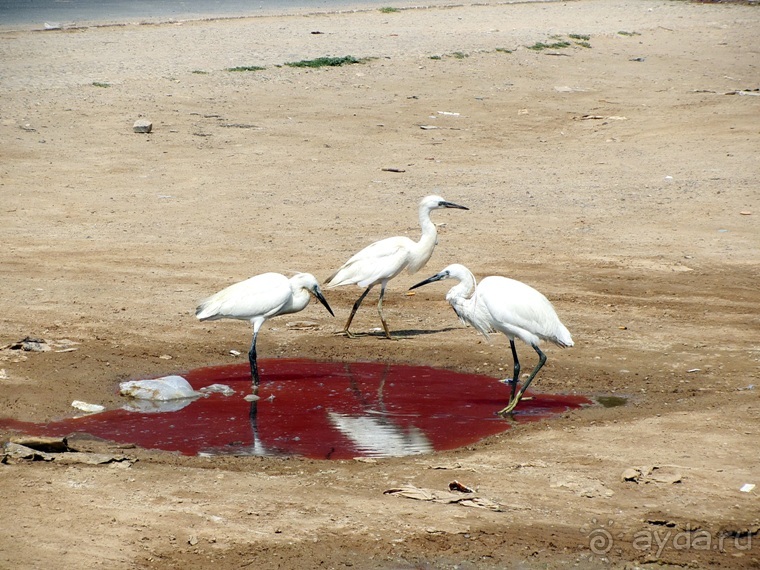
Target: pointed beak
{"x": 318, "y": 294}
{"x": 433, "y": 279}
{"x": 453, "y": 205}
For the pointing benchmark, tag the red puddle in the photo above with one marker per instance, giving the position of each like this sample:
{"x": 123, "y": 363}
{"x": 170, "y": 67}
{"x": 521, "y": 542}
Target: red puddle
{"x": 319, "y": 410}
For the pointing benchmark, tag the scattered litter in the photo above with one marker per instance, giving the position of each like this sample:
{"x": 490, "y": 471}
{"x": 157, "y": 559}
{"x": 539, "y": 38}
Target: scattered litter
{"x": 52, "y": 26}
{"x": 566, "y": 88}
{"x": 302, "y": 325}
{"x": 251, "y": 398}
{"x": 448, "y": 113}
{"x": 165, "y": 357}
{"x": 428, "y": 127}
{"x": 218, "y": 389}
{"x": 89, "y": 408}
{"x": 29, "y": 344}
{"x": 42, "y": 443}
{"x": 603, "y": 118}
{"x": 694, "y": 370}
{"x": 165, "y": 388}
{"x": 32, "y": 344}
{"x": 445, "y": 497}
{"x": 457, "y": 486}
{"x": 393, "y": 170}
{"x": 13, "y": 451}
{"x": 754, "y": 92}
{"x": 745, "y": 213}
{"x": 747, "y": 488}
{"x": 234, "y": 352}
{"x": 654, "y": 474}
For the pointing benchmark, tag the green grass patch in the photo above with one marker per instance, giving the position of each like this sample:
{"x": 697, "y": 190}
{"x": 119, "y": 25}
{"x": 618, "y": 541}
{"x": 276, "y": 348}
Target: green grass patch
{"x": 628, "y": 34}
{"x": 583, "y": 44}
{"x": 246, "y": 68}
{"x": 579, "y": 37}
{"x": 200, "y": 72}
{"x": 389, "y": 10}
{"x": 538, "y": 46}
{"x": 460, "y": 55}
{"x": 503, "y": 50}
{"x": 324, "y": 62}
{"x": 100, "y": 84}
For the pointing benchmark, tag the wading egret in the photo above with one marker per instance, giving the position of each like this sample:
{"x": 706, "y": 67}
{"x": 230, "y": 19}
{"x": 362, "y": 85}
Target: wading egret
{"x": 383, "y": 260}
{"x": 500, "y": 304}
{"x": 258, "y": 299}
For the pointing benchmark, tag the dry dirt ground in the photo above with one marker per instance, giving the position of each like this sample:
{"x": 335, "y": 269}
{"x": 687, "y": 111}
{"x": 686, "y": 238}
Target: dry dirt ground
{"x": 620, "y": 178}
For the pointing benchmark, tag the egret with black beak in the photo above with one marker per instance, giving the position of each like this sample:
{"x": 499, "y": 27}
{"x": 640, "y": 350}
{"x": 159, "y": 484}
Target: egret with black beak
{"x": 500, "y": 304}
{"x": 258, "y": 299}
{"x": 381, "y": 261}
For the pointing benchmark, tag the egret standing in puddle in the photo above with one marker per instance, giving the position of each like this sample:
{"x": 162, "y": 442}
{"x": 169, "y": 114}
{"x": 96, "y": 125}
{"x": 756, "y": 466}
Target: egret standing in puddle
{"x": 500, "y": 304}
{"x": 383, "y": 260}
{"x": 258, "y": 299}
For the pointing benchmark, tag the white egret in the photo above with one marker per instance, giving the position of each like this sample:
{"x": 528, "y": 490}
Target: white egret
{"x": 500, "y": 304}
{"x": 383, "y": 260}
{"x": 258, "y": 299}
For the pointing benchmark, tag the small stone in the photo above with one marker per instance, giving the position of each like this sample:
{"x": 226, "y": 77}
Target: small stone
{"x": 142, "y": 126}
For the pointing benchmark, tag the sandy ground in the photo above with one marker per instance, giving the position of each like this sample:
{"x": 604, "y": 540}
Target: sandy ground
{"x": 620, "y": 179}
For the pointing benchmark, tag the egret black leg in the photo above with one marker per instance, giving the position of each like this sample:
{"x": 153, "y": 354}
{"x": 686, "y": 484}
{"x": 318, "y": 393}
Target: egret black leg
{"x": 252, "y": 360}
{"x": 516, "y": 376}
{"x": 380, "y": 310}
{"x": 516, "y": 373}
{"x": 516, "y": 399}
{"x": 353, "y": 312}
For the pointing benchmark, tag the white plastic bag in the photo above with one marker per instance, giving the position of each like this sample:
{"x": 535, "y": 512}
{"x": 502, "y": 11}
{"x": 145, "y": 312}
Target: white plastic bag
{"x": 165, "y": 388}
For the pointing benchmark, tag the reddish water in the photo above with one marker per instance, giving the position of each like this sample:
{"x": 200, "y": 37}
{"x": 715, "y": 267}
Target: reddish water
{"x": 321, "y": 410}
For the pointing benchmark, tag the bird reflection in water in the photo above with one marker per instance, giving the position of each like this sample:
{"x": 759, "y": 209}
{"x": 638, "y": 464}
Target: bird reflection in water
{"x": 372, "y": 432}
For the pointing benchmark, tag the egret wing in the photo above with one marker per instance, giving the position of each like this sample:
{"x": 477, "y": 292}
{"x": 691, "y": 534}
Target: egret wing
{"x": 517, "y": 308}
{"x": 261, "y": 296}
{"x": 383, "y": 259}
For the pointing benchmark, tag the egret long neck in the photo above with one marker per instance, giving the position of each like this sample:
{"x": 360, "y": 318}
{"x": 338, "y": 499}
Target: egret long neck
{"x": 463, "y": 299}
{"x": 298, "y": 301}
{"x": 463, "y": 291}
{"x": 423, "y": 249}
